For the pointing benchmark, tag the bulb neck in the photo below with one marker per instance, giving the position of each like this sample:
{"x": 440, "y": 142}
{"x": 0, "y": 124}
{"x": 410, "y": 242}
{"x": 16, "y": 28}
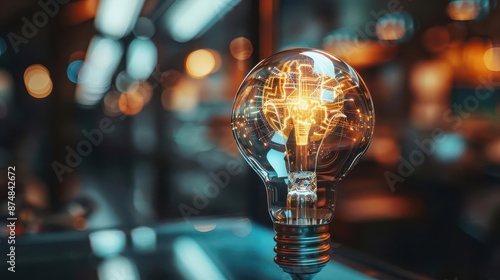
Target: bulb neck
{"x": 302, "y": 250}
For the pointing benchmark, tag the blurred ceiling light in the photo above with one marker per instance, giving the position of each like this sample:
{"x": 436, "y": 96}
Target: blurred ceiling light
{"x": 188, "y": 19}
{"x": 37, "y": 81}
{"x": 358, "y": 52}
{"x": 202, "y": 62}
{"x": 463, "y": 10}
{"x": 131, "y": 102}
{"x": 73, "y": 70}
{"x": 431, "y": 80}
{"x": 450, "y": 147}
{"x": 492, "y": 59}
{"x": 116, "y": 18}
{"x": 141, "y": 59}
{"x": 101, "y": 61}
{"x": 394, "y": 27}
{"x": 107, "y": 243}
{"x": 241, "y": 48}
{"x": 144, "y": 28}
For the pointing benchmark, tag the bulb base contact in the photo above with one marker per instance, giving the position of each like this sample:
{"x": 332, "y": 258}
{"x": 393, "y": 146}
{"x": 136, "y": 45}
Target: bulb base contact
{"x": 302, "y": 250}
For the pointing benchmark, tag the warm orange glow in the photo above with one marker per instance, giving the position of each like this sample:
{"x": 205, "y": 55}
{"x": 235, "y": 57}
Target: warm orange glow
{"x": 492, "y": 151}
{"x": 390, "y": 30}
{"x": 431, "y": 80}
{"x": 77, "y": 55}
{"x": 131, "y": 102}
{"x": 427, "y": 115}
{"x": 202, "y": 62}
{"x": 436, "y": 39}
{"x": 491, "y": 59}
{"x": 80, "y": 11}
{"x": 385, "y": 150}
{"x": 181, "y": 98}
{"x": 376, "y": 207}
{"x": 463, "y": 10}
{"x": 286, "y": 108}
{"x": 361, "y": 54}
{"x": 37, "y": 81}
{"x": 80, "y": 223}
{"x": 241, "y": 48}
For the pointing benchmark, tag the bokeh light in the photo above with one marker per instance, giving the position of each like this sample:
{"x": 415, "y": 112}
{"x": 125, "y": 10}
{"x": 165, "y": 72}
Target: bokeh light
{"x": 436, "y": 39}
{"x": 37, "y": 81}
{"x": 431, "y": 80}
{"x": 183, "y": 97}
{"x": 202, "y": 62}
{"x": 394, "y": 27}
{"x": 73, "y": 70}
{"x": 241, "y": 48}
{"x": 131, "y": 102}
{"x": 170, "y": 78}
{"x": 204, "y": 227}
{"x": 144, "y": 28}
{"x": 358, "y": 52}
{"x": 492, "y": 59}
{"x": 463, "y": 10}
{"x": 110, "y": 105}
{"x": 451, "y": 147}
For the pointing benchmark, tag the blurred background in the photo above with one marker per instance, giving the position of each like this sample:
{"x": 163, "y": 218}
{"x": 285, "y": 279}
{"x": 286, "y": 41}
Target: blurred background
{"x": 116, "y": 115}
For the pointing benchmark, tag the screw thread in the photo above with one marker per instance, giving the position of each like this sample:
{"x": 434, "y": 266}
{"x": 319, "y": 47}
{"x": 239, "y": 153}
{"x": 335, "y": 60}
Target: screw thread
{"x": 302, "y": 250}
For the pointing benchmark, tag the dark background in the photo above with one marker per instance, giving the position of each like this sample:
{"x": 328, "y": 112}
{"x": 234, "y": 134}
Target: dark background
{"x": 429, "y": 204}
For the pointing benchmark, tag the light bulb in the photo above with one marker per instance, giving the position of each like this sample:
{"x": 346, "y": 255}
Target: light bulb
{"x": 302, "y": 118}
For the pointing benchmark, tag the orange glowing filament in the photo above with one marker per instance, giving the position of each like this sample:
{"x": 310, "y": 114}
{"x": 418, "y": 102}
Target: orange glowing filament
{"x": 297, "y": 96}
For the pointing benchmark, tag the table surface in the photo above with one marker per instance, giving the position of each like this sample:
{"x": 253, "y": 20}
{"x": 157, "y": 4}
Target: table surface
{"x": 232, "y": 248}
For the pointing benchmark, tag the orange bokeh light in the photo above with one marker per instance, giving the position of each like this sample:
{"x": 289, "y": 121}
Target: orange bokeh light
{"x": 37, "y": 81}
{"x": 241, "y": 48}
{"x": 202, "y": 62}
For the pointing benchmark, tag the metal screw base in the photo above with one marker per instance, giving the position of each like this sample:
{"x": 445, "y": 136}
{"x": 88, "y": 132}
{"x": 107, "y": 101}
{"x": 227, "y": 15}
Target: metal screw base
{"x": 301, "y": 250}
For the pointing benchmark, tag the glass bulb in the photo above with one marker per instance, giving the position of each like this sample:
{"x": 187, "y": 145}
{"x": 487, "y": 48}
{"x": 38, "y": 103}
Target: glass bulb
{"x": 302, "y": 118}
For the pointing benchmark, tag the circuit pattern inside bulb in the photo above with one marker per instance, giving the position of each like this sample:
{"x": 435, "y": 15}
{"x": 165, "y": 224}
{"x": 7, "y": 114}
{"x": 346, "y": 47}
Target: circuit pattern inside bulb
{"x": 297, "y": 96}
